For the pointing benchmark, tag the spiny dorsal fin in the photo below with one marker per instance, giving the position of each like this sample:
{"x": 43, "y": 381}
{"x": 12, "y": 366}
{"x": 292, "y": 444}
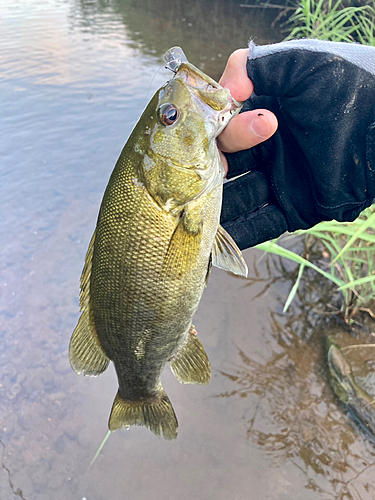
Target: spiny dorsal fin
{"x": 226, "y": 255}
{"x": 85, "y": 352}
{"x": 184, "y": 246}
{"x": 190, "y": 364}
{"x": 155, "y": 413}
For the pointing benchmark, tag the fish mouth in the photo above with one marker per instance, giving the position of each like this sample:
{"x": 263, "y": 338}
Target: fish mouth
{"x": 176, "y": 61}
{"x": 206, "y": 88}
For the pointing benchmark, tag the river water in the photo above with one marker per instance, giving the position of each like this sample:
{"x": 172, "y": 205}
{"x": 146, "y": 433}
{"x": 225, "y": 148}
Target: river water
{"x": 74, "y": 78}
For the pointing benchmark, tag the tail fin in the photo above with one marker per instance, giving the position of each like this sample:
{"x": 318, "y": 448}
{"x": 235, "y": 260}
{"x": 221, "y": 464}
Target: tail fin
{"x": 155, "y": 413}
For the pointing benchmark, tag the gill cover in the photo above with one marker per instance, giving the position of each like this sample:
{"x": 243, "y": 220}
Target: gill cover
{"x": 181, "y": 160}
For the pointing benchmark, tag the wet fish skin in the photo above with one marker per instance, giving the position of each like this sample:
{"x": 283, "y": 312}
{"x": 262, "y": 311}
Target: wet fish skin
{"x": 149, "y": 258}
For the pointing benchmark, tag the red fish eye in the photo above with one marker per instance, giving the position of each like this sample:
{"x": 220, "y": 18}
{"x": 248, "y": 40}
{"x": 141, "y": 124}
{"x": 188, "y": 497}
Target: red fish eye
{"x": 169, "y": 113}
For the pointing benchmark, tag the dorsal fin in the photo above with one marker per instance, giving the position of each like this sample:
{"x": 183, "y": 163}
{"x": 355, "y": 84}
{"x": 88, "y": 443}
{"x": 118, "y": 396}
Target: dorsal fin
{"x": 84, "y": 295}
{"x": 85, "y": 352}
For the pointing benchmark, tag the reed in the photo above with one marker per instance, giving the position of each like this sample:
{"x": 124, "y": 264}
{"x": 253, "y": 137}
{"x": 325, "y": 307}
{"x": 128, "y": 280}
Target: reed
{"x": 332, "y": 20}
{"x": 349, "y": 259}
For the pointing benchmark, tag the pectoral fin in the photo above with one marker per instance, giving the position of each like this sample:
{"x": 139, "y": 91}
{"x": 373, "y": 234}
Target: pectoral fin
{"x": 190, "y": 365}
{"x": 184, "y": 246}
{"x": 226, "y": 255}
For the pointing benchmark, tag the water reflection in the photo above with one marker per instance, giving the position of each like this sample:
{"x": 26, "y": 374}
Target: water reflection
{"x": 74, "y": 78}
{"x": 294, "y": 416}
{"x": 208, "y": 31}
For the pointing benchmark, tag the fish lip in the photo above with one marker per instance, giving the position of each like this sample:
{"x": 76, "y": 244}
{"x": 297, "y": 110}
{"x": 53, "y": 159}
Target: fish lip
{"x": 176, "y": 61}
{"x": 197, "y": 80}
{"x": 216, "y": 101}
{"x": 189, "y": 70}
{"x": 223, "y": 108}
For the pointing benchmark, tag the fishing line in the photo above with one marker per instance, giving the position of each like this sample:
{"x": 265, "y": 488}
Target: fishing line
{"x": 99, "y": 449}
{"x": 152, "y": 81}
{"x": 119, "y": 132}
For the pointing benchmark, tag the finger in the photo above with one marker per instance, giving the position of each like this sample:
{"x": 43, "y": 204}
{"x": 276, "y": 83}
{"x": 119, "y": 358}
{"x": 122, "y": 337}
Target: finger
{"x": 246, "y": 130}
{"x": 235, "y": 76}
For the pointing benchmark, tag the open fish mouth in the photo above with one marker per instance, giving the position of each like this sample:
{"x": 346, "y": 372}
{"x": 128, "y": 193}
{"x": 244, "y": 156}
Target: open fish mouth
{"x": 175, "y": 59}
{"x": 211, "y": 95}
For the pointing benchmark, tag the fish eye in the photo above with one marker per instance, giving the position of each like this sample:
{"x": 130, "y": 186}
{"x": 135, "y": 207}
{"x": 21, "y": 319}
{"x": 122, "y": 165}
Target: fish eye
{"x": 169, "y": 113}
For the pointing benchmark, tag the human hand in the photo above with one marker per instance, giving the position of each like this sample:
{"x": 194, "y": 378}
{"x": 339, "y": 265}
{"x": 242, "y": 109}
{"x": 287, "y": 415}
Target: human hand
{"x": 320, "y": 163}
{"x": 245, "y": 130}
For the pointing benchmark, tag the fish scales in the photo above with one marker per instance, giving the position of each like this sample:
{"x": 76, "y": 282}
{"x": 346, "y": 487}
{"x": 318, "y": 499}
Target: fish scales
{"x": 148, "y": 262}
{"x": 141, "y": 298}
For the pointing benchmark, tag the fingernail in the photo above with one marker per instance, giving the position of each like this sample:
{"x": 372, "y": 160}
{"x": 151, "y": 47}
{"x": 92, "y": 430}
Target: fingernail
{"x": 260, "y": 126}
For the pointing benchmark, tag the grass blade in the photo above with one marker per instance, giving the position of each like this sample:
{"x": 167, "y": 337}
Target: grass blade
{"x": 294, "y": 288}
{"x": 273, "y": 247}
{"x": 358, "y": 282}
{"x": 364, "y": 226}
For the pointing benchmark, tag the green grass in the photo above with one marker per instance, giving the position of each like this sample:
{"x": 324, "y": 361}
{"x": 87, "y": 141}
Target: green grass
{"x": 349, "y": 247}
{"x": 332, "y": 20}
{"x": 349, "y": 250}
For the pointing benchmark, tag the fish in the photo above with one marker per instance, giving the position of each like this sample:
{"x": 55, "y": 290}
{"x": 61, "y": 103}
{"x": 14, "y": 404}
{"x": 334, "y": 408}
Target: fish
{"x": 360, "y": 403}
{"x": 156, "y": 239}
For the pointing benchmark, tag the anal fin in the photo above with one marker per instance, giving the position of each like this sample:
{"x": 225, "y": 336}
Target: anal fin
{"x": 190, "y": 364}
{"x": 155, "y": 413}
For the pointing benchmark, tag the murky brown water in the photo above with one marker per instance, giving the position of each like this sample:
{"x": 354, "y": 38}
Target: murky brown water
{"x": 74, "y": 78}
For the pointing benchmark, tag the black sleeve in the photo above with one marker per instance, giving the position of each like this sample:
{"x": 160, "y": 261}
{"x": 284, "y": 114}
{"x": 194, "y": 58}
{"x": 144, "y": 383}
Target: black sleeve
{"x": 320, "y": 163}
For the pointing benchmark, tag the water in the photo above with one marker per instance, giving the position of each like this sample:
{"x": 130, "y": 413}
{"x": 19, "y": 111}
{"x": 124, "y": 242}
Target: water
{"x": 74, "y": 78}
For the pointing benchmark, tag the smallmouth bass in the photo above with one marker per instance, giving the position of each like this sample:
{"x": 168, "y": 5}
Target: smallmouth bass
{"x": 150, "y": 256}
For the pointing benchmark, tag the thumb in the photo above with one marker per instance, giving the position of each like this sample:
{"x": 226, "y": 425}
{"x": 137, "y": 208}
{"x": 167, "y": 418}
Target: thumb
{"x": 235, "y": 76}
{"x": 246, "y": 130}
